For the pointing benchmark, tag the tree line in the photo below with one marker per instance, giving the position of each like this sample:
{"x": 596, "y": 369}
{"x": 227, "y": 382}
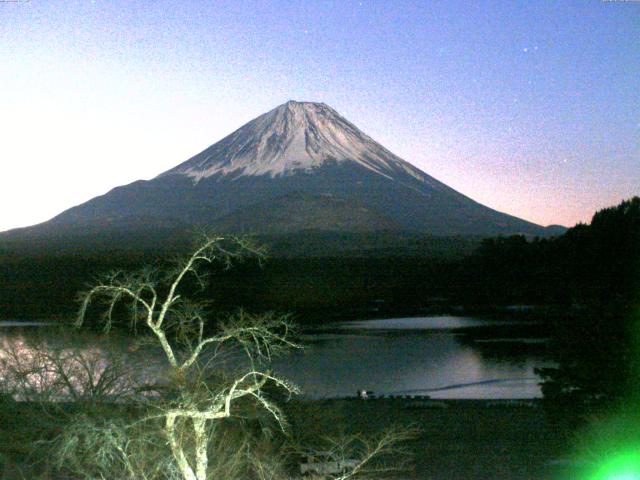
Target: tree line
{"x": 589, "y": 264}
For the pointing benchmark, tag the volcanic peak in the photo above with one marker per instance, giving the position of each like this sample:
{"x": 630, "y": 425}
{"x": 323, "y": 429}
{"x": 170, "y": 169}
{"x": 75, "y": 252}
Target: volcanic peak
{"x": 293, "y": 137}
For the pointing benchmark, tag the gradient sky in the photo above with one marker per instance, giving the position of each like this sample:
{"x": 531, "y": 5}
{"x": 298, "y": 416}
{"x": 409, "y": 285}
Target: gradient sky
{"x": 532, "y": 108}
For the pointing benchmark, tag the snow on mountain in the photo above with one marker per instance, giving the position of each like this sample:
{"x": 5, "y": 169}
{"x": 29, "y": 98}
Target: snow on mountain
{"x": 296, "y": 136}
{"x": 299, "y": 167}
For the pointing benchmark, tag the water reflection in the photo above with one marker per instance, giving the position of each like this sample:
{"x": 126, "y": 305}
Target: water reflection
{"x": 440, "y": 322}
{"x": 444, "y": 357}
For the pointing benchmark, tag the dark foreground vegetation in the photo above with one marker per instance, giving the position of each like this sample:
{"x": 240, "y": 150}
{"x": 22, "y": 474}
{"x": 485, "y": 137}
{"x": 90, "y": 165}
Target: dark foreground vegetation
{"x": 456, "y": 440}
{"x": 315, "y": 275}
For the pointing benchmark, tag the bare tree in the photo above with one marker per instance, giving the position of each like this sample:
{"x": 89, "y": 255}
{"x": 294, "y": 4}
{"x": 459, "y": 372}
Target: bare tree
{"x": 191, "y": 424}
{"x": 179, "y": 328}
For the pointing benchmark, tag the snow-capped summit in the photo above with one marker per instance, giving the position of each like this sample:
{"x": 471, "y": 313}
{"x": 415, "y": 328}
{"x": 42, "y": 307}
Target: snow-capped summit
{"x": 299, "y": 167}
{"x": 296, "y": 136}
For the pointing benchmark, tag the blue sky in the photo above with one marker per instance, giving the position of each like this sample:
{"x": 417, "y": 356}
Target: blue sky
{"x": 531, "y": 108}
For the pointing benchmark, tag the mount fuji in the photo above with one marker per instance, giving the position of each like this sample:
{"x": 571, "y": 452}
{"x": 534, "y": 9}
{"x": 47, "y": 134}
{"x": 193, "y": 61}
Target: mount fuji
{"x": 299, "y": 167}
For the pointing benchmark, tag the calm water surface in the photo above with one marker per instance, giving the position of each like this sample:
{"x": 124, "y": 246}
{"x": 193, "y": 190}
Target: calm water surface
{"x": 439, "y": 356}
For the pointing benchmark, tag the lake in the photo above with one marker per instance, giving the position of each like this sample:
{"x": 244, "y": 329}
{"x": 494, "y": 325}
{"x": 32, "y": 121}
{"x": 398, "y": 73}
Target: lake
{"x": 440, "y": 356}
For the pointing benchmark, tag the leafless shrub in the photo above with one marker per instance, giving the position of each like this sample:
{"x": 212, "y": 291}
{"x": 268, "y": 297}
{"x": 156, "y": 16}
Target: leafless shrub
{"x": 48, "y": 372}
{"x": 359, "y": 456}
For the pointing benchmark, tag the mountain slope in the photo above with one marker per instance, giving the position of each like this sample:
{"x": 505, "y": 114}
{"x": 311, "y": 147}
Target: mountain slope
{"x": 299, "y": 167}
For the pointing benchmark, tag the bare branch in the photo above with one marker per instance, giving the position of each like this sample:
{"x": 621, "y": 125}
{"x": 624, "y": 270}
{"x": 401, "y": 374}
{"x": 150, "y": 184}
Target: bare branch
{"x": 192, "y": 403}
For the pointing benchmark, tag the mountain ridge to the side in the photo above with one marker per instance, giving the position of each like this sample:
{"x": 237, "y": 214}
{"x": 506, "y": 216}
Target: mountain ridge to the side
{"x": 301, "y": 166}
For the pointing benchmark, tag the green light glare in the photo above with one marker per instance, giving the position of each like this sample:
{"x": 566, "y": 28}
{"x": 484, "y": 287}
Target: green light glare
{"x": 624, "y": 466}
